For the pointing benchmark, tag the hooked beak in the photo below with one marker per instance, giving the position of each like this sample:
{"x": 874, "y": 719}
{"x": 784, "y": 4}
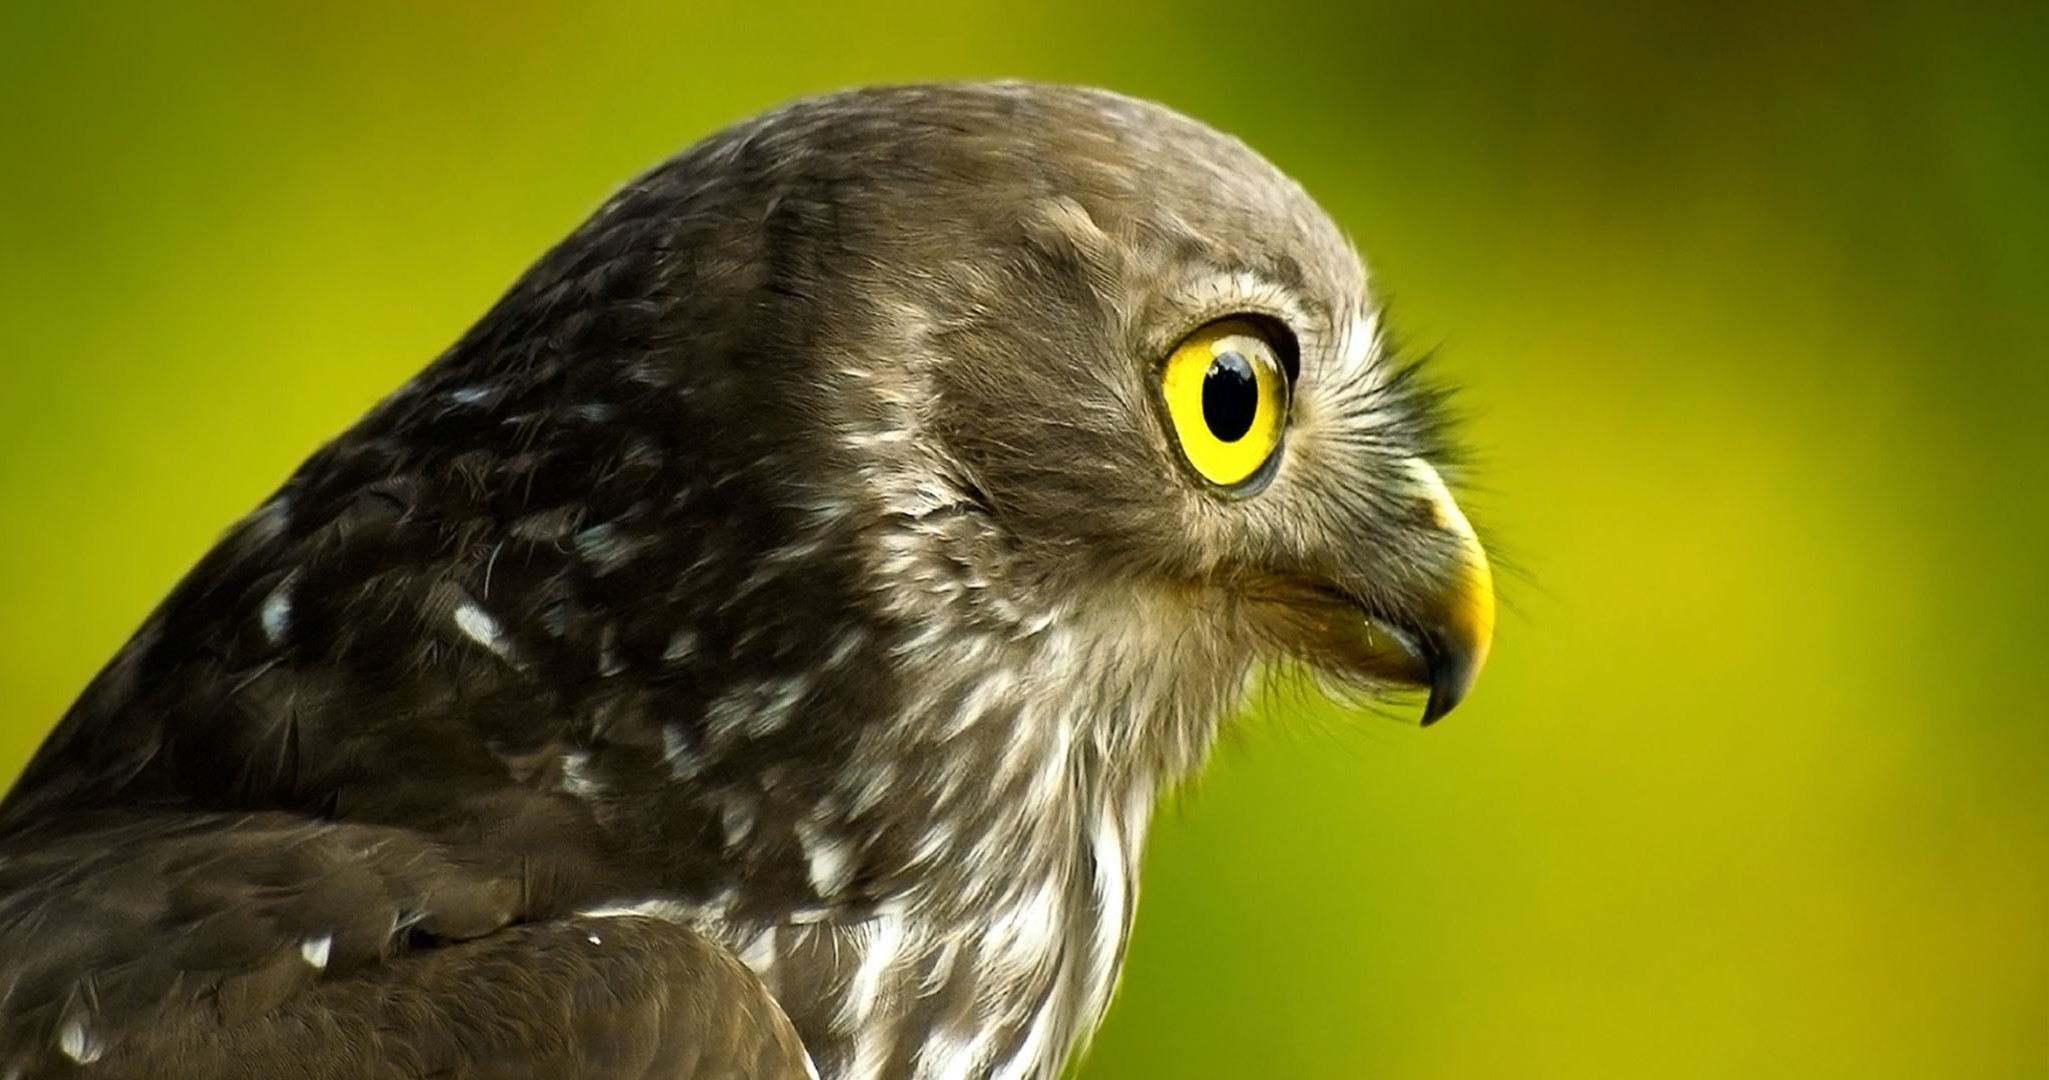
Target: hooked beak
{"x": 1432, "y": 632}
{"x": 1458, "y": 621}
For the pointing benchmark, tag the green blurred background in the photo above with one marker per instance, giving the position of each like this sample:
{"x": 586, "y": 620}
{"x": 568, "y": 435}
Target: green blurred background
{"x": 1748, "y": 304}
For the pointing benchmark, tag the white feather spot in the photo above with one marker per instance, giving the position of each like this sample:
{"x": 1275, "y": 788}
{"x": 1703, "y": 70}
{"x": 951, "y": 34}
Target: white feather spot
{"x": 736, "y": 818}
{"x": 269, "y": 521}
{"x": 78, "y": 1043}
{"x": 642, "y": 452}
{"x": 315, "y": 949}
{"x": 753, "y": 582}
{"x": 759, "y": 953}
{"x": 1359, "y": 343}
{"x": 938, "y": 839}
{"x": 809, "y": 914}
{"x": 1054, "y": 766}
{"x": 1113, "y": 910}
{"x": 951, "y": 1054}
{"x": 830, "y": 860}
{"x": 879, "y": 947}
{"x": 607, "y": 548}
{"x": 481, "y": 628}
{"x": 990, "y": 690}
{"x": 843, "y": 649}
{"x": 679, "y": 753}
{"x": 873, "y": 785}
{"x": 939, "y": 966}
{"x": 1030, "y": 1054}
{"x": 1138, "y": 813}
{"x": 674, "y": 911}
{"x": 608, "y": 651}
{"x": 682, "y": 646}
{"x": 576, "y": 777}
{"x": 800, "y": 551}
{"x": 275, "y": 616}
{"x": 1025, "y": 936}
{"x": 725, "y": 715}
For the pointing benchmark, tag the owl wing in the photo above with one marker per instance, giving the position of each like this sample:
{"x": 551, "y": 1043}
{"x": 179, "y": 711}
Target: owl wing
{"x": 265, "y": 945}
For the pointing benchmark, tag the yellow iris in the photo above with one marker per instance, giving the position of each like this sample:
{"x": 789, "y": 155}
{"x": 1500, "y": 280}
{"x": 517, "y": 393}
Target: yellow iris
{"x": 1227, "y": 398}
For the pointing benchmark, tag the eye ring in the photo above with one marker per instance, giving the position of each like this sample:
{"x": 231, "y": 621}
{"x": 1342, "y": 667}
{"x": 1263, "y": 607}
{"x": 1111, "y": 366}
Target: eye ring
{"x": 1227, "y": 395}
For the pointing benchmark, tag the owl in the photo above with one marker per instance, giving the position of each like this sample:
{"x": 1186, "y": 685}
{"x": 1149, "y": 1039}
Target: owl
{"x": 757, "y": 646}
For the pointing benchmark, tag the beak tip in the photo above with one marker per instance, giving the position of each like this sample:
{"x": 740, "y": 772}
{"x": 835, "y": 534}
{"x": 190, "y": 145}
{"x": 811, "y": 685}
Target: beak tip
{"x": 1439, "y": 705}
{"x": 1451, "y": 679}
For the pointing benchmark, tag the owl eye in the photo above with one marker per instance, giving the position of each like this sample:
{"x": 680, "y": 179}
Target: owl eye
{"x": 1227, "y": 399}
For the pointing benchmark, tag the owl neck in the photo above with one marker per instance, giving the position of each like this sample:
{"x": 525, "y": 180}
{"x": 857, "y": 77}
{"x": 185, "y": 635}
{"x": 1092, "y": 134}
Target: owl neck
{"x": 1023, "y": 772}
{"x": 1000, "y": 955}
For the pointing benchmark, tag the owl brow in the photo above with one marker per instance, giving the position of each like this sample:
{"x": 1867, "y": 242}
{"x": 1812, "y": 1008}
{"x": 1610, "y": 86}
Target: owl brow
{"x": 1224, "y": 291}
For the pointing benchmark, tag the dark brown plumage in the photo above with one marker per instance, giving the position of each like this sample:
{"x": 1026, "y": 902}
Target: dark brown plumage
{"x": 762, "y": 639}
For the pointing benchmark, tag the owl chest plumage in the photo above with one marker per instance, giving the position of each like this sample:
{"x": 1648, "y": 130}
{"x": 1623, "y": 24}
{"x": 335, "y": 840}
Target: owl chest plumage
{"x": 1012, "y": 879}
{"x": 916, "y": 991}
{"x": 995, "y": 960}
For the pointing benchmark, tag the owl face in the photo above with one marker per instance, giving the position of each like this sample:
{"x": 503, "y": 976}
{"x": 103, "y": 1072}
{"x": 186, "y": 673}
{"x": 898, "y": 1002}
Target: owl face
{"x": 1165, "y": 385}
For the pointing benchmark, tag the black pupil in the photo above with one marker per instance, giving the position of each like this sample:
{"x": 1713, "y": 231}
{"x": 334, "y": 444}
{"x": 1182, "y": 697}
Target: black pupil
{"x": 1230, "y": 397}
